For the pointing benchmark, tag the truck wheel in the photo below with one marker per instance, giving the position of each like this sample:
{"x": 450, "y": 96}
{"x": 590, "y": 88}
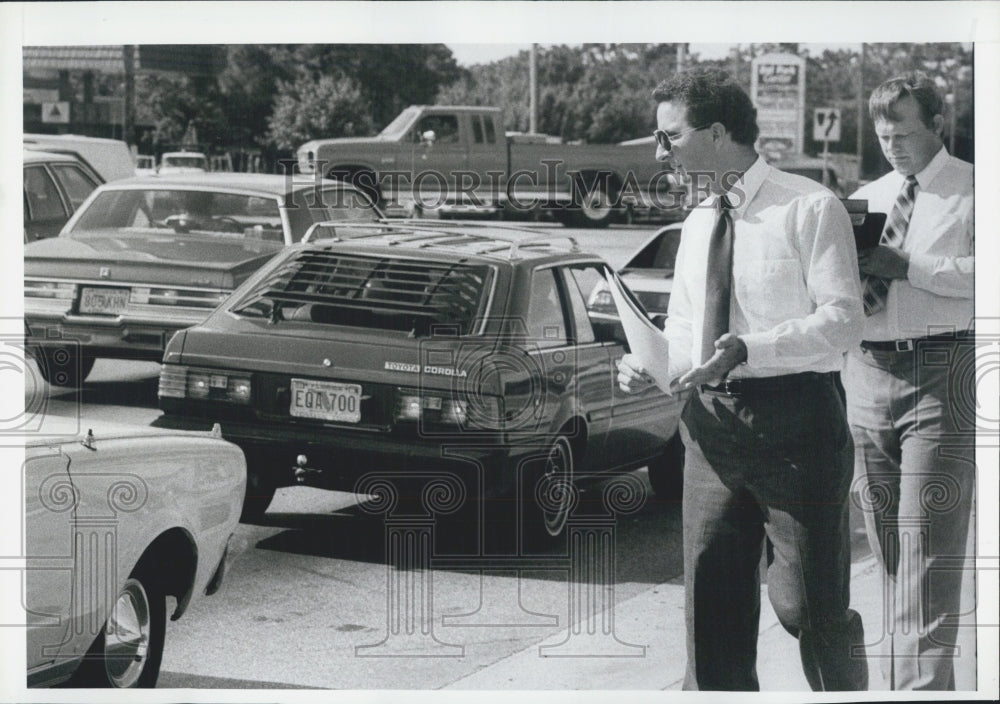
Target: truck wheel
{"x": 593, "y": 207}
{"x": 666, "y": 472}
{"x": 63, "y": 366}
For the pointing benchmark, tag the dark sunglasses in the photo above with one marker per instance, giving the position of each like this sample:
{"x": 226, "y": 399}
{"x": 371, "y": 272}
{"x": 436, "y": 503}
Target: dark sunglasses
{"x": 665, "y": 139}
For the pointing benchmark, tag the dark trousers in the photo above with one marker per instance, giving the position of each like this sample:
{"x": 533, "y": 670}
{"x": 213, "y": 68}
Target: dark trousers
{"x": 913, "y": 418}
{"x": 776, "y": 462}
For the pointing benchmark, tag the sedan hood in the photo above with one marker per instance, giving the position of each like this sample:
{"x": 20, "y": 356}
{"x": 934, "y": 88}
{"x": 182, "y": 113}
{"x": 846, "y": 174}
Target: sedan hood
{"x": 159, "y": 259}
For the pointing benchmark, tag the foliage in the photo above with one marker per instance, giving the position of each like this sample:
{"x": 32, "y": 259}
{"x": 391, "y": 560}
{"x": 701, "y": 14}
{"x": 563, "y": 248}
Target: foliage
{"x": 310, "y": 106}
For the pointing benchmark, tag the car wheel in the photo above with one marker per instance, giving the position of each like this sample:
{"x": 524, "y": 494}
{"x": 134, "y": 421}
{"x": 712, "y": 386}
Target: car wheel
{"x": 128, "y": 651}
{"x": 595, "y": 206}
{"x": 666, "y": 472}
{"x": 548, "y": 494}
{"x": 62, "y": 366}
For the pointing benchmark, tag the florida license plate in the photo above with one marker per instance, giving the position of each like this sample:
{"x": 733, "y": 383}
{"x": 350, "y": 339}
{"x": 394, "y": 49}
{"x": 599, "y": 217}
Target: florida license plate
{"x": 326, "y": 400}
{"x": 104, "y": 301}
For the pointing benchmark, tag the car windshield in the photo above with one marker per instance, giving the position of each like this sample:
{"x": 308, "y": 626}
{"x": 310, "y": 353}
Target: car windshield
{"x": 195, "y": 162}
{"x": 320, "y": 286}
{"x": 195, "y": 213}
{"x": 399, "y": 125}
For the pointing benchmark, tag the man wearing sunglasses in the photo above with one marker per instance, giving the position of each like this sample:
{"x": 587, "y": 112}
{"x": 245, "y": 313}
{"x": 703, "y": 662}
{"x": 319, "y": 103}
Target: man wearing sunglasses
{"x": 766, "y": 300}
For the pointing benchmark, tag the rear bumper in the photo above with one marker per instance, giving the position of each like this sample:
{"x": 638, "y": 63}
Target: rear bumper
{"x": 342, "y": 460}
{"x": 128, "y": 337}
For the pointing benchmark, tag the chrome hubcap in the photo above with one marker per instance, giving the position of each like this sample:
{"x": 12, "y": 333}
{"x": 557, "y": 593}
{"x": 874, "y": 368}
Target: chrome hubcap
{"x": 596, "y": 204}
{"x": 558, "y": 479}
{"x": 126, "y": 636}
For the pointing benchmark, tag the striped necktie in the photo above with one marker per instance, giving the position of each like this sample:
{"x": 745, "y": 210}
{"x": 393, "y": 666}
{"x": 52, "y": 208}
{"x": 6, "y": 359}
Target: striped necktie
{"x": 718, "y": 280}
{"x": 877, "y": 289}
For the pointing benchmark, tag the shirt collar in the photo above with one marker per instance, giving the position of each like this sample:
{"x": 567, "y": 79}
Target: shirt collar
{"x": 933, "y": 168}
{"x": 743, "y": 191}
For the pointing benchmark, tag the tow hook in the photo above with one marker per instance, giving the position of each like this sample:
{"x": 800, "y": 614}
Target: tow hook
{"x": 303, "y": 473}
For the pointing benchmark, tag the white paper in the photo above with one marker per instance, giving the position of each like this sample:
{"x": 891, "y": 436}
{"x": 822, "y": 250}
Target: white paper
{"x": 645, "y": 340}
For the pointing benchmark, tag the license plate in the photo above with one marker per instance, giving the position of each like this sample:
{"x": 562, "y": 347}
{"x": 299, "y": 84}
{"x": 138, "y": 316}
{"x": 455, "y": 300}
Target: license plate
{"x": 104, "y": 301}
{"x": 325, "y": 400}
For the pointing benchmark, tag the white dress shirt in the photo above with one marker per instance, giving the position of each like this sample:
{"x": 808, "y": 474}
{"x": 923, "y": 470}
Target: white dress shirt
{"x": 796, "y": 293}
{"x": 937, "y": 294}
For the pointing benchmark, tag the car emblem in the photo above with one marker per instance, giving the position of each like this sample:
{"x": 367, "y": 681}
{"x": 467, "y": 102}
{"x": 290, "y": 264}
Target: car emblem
{"x": 105, "y": 272}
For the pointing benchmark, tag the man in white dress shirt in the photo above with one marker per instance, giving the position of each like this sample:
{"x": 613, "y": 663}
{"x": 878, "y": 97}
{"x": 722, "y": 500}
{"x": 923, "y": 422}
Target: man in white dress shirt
{"x": 766, "y": 300}
{"x": 909, "y": 411}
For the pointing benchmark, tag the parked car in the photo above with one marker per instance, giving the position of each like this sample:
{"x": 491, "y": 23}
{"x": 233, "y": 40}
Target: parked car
{"x": 183, "y": 163}
{"x": 118, "y": 518}
{"x": 111, "y": 159}
{"x": 143, "y": 258}
{"x": 54, "y": 187}
{"x": 384, "y": 351}
{"x": 145, "y": 165}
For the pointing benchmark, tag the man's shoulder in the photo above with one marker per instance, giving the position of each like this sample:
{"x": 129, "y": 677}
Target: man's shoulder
{"x": 794, "y": 188}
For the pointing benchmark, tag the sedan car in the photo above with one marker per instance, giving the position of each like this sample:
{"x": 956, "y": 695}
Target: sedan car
{"x": 423, "y": 349}
{"x": 143, "y": 258}
{"x": 119, "y": 518}
{"x": 55, "y": 185}
{"x": 183, "y": 162}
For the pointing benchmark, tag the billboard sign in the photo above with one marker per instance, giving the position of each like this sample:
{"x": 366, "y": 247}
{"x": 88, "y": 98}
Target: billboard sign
{"x": 778, "y": 91}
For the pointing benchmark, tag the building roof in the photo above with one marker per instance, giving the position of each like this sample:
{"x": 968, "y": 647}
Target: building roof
{"x": 198, "y": 59}
{"x": 105, "y": 59}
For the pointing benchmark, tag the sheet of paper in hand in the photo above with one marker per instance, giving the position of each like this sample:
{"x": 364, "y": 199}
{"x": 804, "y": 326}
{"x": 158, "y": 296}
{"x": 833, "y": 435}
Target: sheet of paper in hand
{"x": 645, "y": 340}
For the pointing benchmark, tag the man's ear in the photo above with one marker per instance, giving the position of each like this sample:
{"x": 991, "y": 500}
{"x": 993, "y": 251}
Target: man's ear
{"x": 937, "y": 125}
{"x": 719, "y": 133}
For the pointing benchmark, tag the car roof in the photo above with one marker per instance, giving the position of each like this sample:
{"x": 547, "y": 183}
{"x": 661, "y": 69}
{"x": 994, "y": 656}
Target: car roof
{"x": 271, "y": 184}
{"x": 34, "y": 156}
{"x": 469, "y": 241}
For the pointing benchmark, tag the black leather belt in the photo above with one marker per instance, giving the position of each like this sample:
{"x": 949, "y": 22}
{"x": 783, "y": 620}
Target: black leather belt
{"x": 765, "y": 384}
{"x": 911, "y": 344}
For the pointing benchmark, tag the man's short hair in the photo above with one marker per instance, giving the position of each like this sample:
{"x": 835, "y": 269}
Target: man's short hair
{"x": 915, "y": 84}
{"x": 711, "y": 96}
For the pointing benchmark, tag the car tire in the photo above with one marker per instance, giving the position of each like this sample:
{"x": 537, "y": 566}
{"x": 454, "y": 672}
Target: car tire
{"x": 548, "y": 495}
{"x": 666, "y": 472}
{"x": 128, "y": 651}
{"x": 63, "y": 366}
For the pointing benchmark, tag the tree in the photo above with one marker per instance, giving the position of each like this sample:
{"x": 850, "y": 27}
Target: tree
{"x": 328, "y": 106}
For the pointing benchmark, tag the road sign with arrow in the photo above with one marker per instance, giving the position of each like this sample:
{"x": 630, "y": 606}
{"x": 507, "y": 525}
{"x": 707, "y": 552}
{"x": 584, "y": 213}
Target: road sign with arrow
{"x": 826, "y": 125}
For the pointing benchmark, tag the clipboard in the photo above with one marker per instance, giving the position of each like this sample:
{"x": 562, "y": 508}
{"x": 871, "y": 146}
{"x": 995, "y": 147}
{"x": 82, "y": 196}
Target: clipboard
{"x": 867, "y": 226}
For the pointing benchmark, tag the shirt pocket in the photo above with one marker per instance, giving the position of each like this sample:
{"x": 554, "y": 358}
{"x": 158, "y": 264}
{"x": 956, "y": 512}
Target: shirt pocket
{"x": 771, "y": 291}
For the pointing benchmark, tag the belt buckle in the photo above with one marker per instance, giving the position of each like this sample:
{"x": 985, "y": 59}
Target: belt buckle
{"x": 903, "y": 345}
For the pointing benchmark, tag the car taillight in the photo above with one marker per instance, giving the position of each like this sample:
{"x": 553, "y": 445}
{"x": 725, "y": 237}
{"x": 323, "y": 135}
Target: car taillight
{"x": 178, "y": 381}
{"x": 483, "y": 412}
{"x": 177, "y": 297}
{"x": 50, "y": 289}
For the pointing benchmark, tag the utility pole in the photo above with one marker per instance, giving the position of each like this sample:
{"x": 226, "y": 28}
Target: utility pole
{"x": 128, "y": 120}
{"x": 681, "y": 56}
{"x": 861, "y": 113}
{"x": 533, "y": 89}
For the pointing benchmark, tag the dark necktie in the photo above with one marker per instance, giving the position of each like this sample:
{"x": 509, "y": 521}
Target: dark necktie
{"x": 877, "y": 289}
{"x": 718, "y": 279}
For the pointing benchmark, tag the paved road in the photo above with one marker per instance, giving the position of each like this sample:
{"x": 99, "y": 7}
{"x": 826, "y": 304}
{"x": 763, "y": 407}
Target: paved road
{"x": 310, "y": 601}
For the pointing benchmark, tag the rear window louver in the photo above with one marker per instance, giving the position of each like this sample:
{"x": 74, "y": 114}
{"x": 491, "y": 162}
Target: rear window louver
{"x": 373, "y": 292}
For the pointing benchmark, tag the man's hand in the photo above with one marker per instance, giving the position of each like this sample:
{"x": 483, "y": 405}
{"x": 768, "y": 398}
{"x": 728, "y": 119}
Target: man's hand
{"x": 729, "y": 352}
{"x": 632, "y": 376}
{"x": 884, "y": 262}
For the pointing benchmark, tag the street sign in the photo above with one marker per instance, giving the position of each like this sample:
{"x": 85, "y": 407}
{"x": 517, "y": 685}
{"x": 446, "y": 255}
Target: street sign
{"x": 56, "y": 112}
{"x": 778, "y": 91}
{"x": 826, "y": 125}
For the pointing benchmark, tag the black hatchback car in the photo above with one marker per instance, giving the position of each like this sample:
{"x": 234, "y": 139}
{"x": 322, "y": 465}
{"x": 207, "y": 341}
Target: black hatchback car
{"x": 417, "y": 349}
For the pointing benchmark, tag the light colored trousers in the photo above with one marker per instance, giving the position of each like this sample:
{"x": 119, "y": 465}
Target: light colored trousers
{"x": 912, "y": 416}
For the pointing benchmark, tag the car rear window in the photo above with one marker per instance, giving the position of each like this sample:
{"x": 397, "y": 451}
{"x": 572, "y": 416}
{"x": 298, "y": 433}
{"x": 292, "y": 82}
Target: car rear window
{"x": 383, "y": 293}
{"x": 190, "y": 212}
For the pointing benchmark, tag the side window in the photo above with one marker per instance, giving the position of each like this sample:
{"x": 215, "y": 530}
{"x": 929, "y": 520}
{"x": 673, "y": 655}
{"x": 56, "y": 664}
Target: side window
{"x": 445, "y": 128}
{"x": 581, "y": 279}
{"x": 546, "y": 321}
{"x": 43, "y": 198}
{"x": 477, "y": 128}
{"x": 590, "y": 292}
{"x": 75, "y": 182}
{"x": 491, "y": 135}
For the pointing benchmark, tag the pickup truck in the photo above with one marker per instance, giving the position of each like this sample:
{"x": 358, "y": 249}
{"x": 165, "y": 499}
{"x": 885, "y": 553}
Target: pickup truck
{"x": 458, "y": 159}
